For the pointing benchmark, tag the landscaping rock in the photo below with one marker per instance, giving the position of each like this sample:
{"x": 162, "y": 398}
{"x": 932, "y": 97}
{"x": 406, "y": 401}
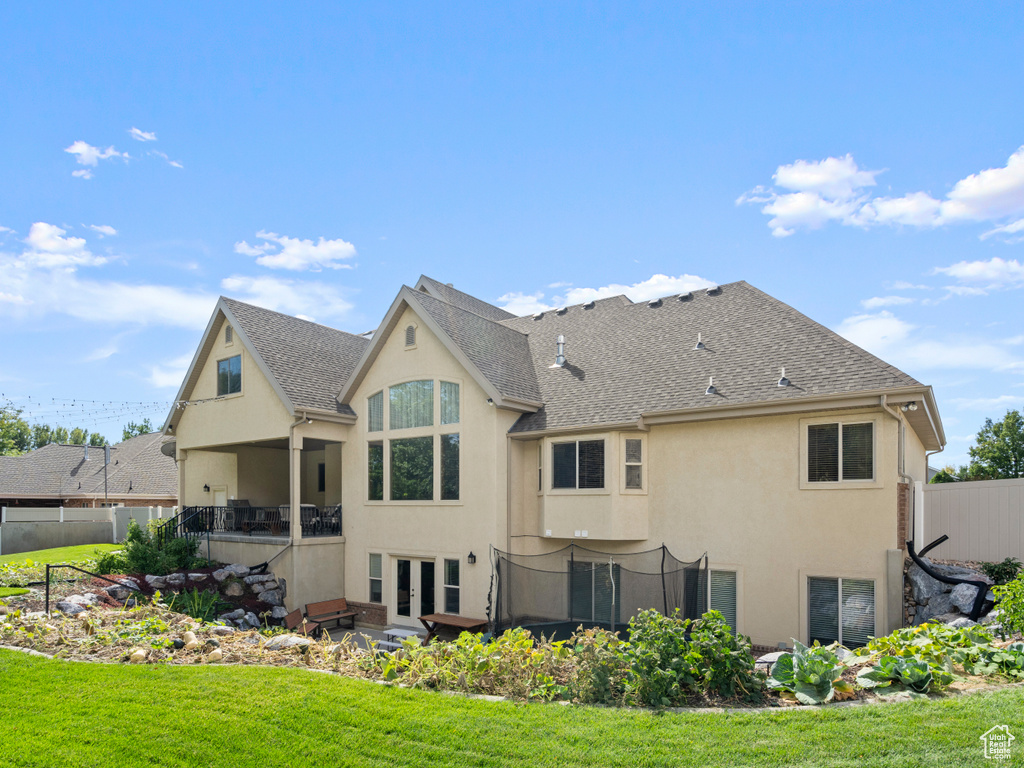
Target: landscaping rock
{"x": 937, "y": 605}
{"x": 189, "y": 637}
{"x": 213, "y": 642}
{"x": 991, "y": 617}
{"x": 221, "y": 574}
{"x": 272, "y": 597}
{"x": 252, "y": 620}
{"x": 215, "y": 655}
{"x": 156, "y": 582}
{"x": 71, "y": 609}
{"x": 234, "y": 589}
{"x": 175, "y": 579}
{"x": 924, "y": 586}
{"x": 222, "y": 630}
{"x": 283, "y": 586}
{"x": 233, "y": 615}
{"x": 137, "y": 655}
{"x": 238, "y": 570}
{"x": 192, "y": 646}
{"x": 962, "y": 622}
{"x": 280, "y": 642}
{"x": 178, "y": 644}
{"x": 963, "y": 596}
{"x": 959, "y": 572}
{"x": 258, "y": 578}
{"x": 130, "y": 582}
{"x": 118, "y": 592}
{"x": 81, "y": 599}
{"x": 945, "y": 618}
{"x": 278, "y": 612}
{"x": 257, "y": 588}
{"x": 197, "y": 577}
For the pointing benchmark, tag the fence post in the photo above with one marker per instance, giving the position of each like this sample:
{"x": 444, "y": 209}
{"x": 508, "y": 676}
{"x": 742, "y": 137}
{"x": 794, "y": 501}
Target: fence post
{"x": 113, "y": 524}
{"x": 61, "y": 513}
{"x": 3, "y": 515}
{"x": 920, "y": 534}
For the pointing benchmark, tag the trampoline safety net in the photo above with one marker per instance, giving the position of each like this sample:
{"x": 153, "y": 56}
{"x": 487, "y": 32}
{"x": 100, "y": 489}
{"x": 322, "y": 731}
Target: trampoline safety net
{"x": 555, "y": 592}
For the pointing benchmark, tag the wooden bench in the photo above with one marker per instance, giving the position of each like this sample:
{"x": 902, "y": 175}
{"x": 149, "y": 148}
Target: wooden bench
{"x": 294, "y": 621}
{"x": 332, "y": 610}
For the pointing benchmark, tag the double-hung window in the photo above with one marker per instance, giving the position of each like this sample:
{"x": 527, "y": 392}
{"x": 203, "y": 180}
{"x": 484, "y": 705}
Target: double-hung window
{"x": 452, "y": 589}
{"x": 722, "y": 595}
{"x": 229, "y": 376}
{"x": 840, "y": 452}
{"x": 376, "y": 578}
{"x": 634, "y": 463}
{"x": 578, "y": 464}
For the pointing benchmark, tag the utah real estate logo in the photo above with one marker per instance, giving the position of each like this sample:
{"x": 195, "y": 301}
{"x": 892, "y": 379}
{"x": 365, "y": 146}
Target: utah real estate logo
{"x": 997, "y": 742}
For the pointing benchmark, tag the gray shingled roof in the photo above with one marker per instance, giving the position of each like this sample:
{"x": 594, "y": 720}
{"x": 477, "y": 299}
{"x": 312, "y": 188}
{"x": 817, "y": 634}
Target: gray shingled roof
{"x": 502, "y": 354}
{"x": 457, "y": 298}
{"x": 310, "y": 361}
{"x": 626, "y": 359}
{"x": 61, "y": 470}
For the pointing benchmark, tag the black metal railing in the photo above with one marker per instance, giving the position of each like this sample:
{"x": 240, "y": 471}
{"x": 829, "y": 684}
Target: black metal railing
{"x": 256, "y": 521}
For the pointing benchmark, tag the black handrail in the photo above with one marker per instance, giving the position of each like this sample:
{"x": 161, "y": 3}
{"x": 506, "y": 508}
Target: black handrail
{"x": 983, "y": 587}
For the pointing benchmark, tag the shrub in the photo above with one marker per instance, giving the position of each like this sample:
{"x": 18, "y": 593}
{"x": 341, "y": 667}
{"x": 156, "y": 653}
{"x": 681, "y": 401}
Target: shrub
{"x": 1003, "y": 572}
{"x": 726, "y": 658}
{"x": 1010, "y": 598}
{"x": 203, "y": 605}
{"x": 112, "y": 562}
{"x": 144, "y": 551}
{"x": 601, "y": 665}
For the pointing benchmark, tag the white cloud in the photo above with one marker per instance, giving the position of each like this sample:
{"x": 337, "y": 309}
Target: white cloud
{"x": 995, "y": 272}
{"x": 86, "y": 154}
{"x": 293, "y": 297}
{"x": 654, "y": 287}
{"x": 47, "y": 248}
{"x": 13, "y": 298}
{"x": 138, "y": 135}
{"x": 85, "y": 173}
{"x": 987, "y": 403}
{"x": 171, "y": 373}
{"x": 102, "y": 353}
{"x": 163, "y": 156}
{"x": 902, "y": 285}
{"x": 899, "y": 342}
{"x": 103, "y": 230}
{"x": 835, "y": 189}
{"x": 6, "y": 229}
{"x": 296, "y": 254}
{"x": 885, "y": 301}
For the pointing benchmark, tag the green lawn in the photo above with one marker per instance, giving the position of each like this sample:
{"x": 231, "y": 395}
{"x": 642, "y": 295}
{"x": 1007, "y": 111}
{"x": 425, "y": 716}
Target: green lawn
{"x": 12, "y": 591}
{"x": 74, "y": 714}
{"x": 60, "y": 554}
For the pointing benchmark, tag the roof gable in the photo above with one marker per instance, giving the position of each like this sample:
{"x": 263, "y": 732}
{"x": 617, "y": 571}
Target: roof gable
{"x": 450, "y": 295}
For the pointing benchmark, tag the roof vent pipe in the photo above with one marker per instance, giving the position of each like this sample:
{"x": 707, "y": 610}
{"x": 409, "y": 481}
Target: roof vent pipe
{"x": 86, "y": 452}
{"x": 711, "y": 387}
{"x": 699, "y": 344}
{"x": 560, "y": 357}
{"x": 783, "y": 381}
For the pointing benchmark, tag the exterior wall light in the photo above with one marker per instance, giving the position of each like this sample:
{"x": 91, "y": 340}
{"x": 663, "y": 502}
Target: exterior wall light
{"x": 471, "y": 559}
{"x": 206, "y": 488}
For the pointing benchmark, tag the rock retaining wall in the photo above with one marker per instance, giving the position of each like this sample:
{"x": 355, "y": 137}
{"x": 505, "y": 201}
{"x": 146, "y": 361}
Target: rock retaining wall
{"x": 928, "y": 599}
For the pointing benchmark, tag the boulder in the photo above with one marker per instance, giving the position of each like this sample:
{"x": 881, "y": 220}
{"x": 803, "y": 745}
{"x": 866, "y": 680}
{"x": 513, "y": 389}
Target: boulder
{"x": 222, "y": 631}
{"x": 283, "y": 586}
{"x": 238, "y": 570}
{"x": 924, "y": 586}
{"x": 221, "y": 574}
{"x": 278, "y": 612}
{"x": 962, "y": 622}
{"x": 945, "y": 618}
{"x": 137, "y": 655}
{"x": 959, "y": 572}
{"x": 118, "y": 592}
{"x": 258, "y": 578}
{"x": 257, "y": 588}
{"x": 963, "y": 596}
{"x": 215, "y": 655}
{"x": 991, "y": 617}
{"x": 175, "y": 579}
{"x": 197, "y": 577}
{"x": 71, "y": 609}
{"x": 234, "y": 589}
{"x": 130, "y": 582}
{"x": 280, "y": 642}
{"x": 213, "y": 642}
{"x": 82, "y": 599}
{"x": 189, "y": 637}
{"x": 937, "y": 605}
{"x": 252, "y": 620}
{"x": 234, "y": 615}
{"x": 272, "y": 597}
{"x": 156, "y": 582}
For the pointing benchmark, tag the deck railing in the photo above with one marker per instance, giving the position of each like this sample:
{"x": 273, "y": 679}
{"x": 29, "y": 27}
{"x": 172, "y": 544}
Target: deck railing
{"x": 255, "y": 521}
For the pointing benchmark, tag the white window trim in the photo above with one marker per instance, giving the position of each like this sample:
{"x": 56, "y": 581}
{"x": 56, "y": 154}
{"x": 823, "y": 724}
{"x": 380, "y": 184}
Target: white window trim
{"x": 445, "y": 586}
{"x": 881, "y": 604}
{"x": 387, "y": 434}
{"x": 216, "y": 376}
{"x": 846, "y": 418}
{"x": 642, "y": 490}
{"x": 416, "y": 337}
{"x": 369, "y": 578}
{"x": 738, "y": 570}
{"x": 549, "y": 465}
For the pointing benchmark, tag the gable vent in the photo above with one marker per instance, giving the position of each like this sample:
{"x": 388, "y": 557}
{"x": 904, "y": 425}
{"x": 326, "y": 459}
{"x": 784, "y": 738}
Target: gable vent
{"x": 685, "y": 296}
{"x": 410, "y": 336}
{"x": 714, "y": 290}
{"x": 229, "y": 334}
{"x": 654, "y": 303}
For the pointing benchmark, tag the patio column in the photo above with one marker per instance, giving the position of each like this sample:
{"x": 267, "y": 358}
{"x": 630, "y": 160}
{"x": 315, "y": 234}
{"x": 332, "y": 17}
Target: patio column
{"x": 182, "y": 457}
{"x": 295, "y": 485}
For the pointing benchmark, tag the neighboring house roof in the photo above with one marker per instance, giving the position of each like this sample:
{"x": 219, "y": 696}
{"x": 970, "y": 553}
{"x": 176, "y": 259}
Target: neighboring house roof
{"x": 310, "y": 361}
{"x": 137, "y": 468}
{"x": 625, "y": 359}
{"x": 447, "y": 293}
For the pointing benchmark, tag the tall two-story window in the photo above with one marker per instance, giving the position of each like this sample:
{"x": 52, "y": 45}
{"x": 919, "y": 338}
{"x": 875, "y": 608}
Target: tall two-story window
{"x": 411, "y": 405}
{"x": 578, "y": 464}
{"x": 840, "y": 452}
{"x": 375, "y": 413}
{"x": 229, "y": 376}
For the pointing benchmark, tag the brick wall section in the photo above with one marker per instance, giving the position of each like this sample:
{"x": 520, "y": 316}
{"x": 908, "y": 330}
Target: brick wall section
{"x": 374, "y": 614}
{"x": 902, "y": 514}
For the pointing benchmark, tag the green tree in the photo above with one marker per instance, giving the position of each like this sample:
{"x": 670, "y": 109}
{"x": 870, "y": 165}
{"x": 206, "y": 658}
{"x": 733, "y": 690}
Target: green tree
{"x": 97, "y": 440}
{"x": 15, "y": 433}
{"x": 999, "y": 447}
{"x": 134, "y": 430}
{"x": 78, "y": 436}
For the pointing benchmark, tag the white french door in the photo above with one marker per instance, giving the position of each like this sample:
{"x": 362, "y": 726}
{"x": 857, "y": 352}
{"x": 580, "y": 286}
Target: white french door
{"x": 414, "y": 591}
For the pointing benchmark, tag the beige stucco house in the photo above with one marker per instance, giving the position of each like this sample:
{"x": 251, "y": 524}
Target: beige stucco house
{"x": 389, "y": 468}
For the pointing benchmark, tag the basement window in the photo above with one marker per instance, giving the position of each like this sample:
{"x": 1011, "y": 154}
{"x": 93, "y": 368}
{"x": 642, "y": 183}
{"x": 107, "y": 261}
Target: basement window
{"x": 841, "y": 610}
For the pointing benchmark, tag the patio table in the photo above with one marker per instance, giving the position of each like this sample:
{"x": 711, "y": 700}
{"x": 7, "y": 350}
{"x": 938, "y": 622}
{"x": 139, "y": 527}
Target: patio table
{"x": 434, "y": 621}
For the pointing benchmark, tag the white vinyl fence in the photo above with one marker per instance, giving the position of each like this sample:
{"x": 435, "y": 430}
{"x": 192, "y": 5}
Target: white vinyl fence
{"x": 25, "y": 529}
{"x": 984, "y": 520}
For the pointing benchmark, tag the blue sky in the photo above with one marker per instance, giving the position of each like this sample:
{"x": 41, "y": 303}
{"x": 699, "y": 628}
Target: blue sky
{"x": 863, "y": 165}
